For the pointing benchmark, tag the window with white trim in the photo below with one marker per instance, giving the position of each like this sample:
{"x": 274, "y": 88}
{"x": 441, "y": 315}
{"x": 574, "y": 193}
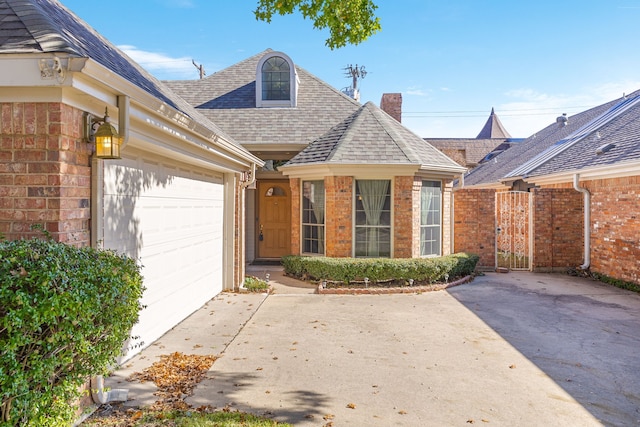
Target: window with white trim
{"x": 431, "y": 218}
{"x": 313, "y": 217}
{"x": 373, "y": 218}
{"x": 276, "y": 81}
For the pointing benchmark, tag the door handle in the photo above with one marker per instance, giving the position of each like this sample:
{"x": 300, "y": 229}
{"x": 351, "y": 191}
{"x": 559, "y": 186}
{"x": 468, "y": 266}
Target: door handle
{"x": 261, "y": 236}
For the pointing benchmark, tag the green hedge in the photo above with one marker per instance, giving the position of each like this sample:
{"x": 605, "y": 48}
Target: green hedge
{"x": 347, "y": 270}
{"x": 65, "y": 314}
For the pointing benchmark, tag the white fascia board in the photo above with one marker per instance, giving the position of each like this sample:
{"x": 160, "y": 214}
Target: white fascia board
{"x": 619, "y": 170}
{"x": 173, "y": 122}
{"x": 490, "y": 186}
{"x": 366, "y": 171}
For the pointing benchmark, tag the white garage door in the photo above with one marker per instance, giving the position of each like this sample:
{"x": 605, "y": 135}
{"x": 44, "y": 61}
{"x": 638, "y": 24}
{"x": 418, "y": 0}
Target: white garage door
{"x": 171, "y": 219}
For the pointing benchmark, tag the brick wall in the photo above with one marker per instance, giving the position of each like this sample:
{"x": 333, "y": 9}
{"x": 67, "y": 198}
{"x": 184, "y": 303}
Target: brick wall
{"x": 406, "y": 225}
{"x": 474, "y": 228}
{"x": 338, "y": 220}
{"x": 615, "y": 227}
{"x": 45, "y": 172}
{"x": 557, "y": 229}
{"x": 296, "y": 209}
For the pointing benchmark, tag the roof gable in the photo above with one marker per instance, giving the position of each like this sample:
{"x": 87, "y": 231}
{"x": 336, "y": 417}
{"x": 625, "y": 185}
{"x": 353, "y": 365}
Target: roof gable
{"x": 228, "y": 98}
{"x": 371, "y": 136}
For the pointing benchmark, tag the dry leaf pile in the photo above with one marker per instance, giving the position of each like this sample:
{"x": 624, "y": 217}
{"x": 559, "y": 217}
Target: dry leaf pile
{"x": 175, "y": 375}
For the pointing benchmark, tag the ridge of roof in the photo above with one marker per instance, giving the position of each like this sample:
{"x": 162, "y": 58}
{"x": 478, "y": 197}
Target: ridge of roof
{"x": 495, "y": 171}
{"x": 577, "y": 136}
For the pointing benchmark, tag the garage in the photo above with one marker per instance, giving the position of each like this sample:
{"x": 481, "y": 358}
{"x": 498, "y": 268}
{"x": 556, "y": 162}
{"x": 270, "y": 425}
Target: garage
{"x": 169, "y": 216}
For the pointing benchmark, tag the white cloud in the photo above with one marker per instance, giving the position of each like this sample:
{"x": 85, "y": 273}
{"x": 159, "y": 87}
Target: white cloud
{"x": 180, "y": 4}
{"x": 530, "y": 111}
{"x": 161, "y": 65}
{"x": 417, "y": 91}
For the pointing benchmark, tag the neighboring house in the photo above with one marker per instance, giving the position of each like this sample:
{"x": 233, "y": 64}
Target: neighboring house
{"x": 566, "y": 197}
{"x": 470, "y": 152}
{"x": 172, "y": 199}
{"x": 342, "y": 179}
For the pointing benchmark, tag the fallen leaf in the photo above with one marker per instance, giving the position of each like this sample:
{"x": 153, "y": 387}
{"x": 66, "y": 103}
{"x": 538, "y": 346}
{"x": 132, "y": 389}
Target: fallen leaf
{"x": 512, "y": 366}
{"x": 329, "y": 417}
{"x": 351, "y": 405}
{"x": 402, "y": 412}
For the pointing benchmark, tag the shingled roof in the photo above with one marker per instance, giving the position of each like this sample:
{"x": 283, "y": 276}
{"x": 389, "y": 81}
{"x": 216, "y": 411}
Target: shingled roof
{"x": 493, "y": 128}
{"x": 228, "y": 97}
{"x": 571, "y": 146}
{"x": 371, "y": 136}
{"x": 46, "y": 26}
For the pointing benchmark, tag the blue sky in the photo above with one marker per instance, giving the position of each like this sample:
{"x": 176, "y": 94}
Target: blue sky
{"x": 452, "y": 60}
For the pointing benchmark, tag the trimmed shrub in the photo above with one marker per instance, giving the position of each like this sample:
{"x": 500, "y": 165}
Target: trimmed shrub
{"x": 65, "y": 314}
{"x": 348, "y": 270}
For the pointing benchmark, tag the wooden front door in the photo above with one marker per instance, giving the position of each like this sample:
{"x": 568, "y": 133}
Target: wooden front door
{"x": 274, "y": 219}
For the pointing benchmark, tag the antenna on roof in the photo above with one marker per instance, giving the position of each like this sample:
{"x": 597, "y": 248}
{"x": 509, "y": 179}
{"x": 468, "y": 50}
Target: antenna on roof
{"x": 200, "y": 69}
{"x": 355, "y": 73}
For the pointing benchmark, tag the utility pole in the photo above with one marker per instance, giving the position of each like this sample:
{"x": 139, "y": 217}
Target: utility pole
{"x": 355, "y": 73}
{"x": 200, "y": 69}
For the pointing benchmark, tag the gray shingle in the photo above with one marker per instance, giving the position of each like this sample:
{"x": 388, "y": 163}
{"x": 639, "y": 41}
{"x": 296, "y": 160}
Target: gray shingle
{"x": 227, "y": 97}
{"x": 623, "y": 130}
{"x": 371, "y": 136}
{"x": 36, "y": 26}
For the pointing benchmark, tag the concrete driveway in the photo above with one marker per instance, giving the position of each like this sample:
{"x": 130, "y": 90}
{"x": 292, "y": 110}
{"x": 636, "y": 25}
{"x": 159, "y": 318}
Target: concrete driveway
{"x": 516, "y": 349}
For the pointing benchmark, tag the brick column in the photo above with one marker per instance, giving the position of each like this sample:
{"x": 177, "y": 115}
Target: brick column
{"x": 45, "y": 174}
{"x": 406, "y": 225}
{"x": 294, "y": 184}
{"x": 339, "y": 217}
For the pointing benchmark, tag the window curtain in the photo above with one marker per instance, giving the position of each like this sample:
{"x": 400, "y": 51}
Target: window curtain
{"x": 317, "y": 203}
{"x": 427, "y": 205}
{"x": 374, "y": 194}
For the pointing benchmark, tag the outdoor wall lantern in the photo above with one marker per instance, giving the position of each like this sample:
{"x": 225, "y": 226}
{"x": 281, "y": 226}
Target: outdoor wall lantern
{"x": 104, "y": 135}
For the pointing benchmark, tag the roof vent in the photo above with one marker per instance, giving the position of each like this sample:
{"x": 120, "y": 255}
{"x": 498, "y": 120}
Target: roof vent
{"x": 604, "y": 148}
{"x": 562, "y": 120}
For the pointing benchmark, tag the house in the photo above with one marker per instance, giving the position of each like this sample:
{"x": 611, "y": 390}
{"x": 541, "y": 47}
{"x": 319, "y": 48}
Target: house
{"x": 172, "y": 199}
{"x": 341, "y": 179}
{"x": 566, "y": 197}
{"x": 470, "y": 152}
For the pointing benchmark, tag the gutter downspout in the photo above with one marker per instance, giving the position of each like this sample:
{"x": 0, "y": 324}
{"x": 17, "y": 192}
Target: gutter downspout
{"x": 587, "y": 221}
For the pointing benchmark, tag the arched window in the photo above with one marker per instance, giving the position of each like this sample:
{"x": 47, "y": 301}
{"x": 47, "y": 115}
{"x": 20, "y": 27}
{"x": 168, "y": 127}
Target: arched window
{"x": 276, "y": 81}
{"x": 276, "y": 85}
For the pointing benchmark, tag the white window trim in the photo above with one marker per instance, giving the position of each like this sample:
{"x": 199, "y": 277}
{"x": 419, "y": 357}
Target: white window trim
{"x": 392, "y": 183}
{"x": 302, "y": 223}
{"x": 441, "y": 219}
{"x": 293, "y": 81}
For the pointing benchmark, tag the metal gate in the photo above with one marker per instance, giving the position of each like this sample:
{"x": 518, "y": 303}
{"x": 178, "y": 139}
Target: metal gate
{"x": 513, "y": 230}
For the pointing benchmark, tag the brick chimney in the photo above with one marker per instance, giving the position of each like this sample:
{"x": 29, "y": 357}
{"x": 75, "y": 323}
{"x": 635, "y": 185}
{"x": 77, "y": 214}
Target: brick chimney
{"x": 391, "y": 103}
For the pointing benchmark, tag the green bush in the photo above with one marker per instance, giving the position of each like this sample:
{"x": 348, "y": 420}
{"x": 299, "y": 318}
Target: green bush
{"x": 65, "y": 314}
{"x": 378, "y": 270}
{"x": 255, "y": 284}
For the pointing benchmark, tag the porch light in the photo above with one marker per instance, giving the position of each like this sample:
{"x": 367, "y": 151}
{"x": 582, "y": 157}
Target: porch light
{"x": 105, "y": 137}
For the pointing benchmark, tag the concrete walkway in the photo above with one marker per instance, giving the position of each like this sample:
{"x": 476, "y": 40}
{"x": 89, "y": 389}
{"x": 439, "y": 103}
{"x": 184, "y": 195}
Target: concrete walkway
{"x": 504, "y": 350}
